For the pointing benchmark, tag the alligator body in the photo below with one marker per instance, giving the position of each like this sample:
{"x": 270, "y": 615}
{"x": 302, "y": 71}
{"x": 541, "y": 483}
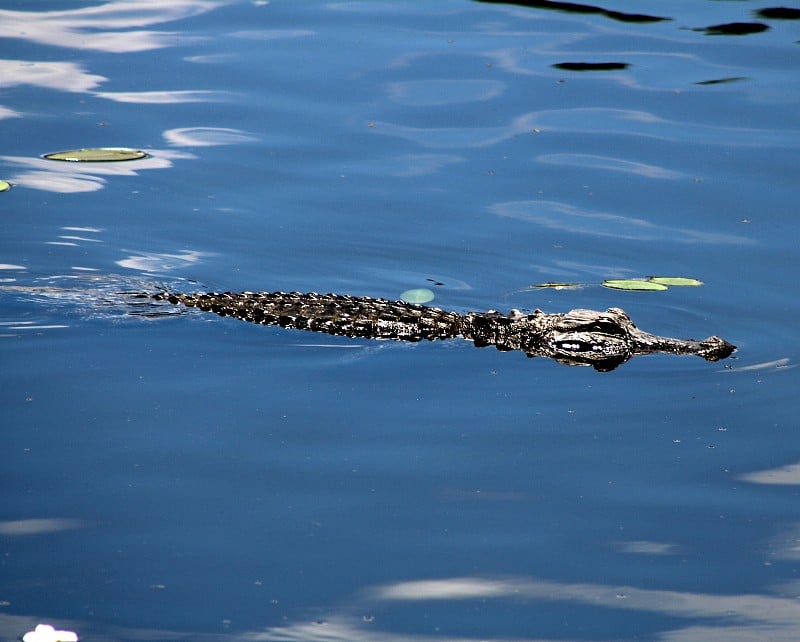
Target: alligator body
{"x": 603, "y": 340}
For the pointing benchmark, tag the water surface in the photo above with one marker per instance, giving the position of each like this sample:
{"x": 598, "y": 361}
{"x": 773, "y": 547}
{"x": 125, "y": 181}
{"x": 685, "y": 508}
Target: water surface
{"x": 186, "y": 476}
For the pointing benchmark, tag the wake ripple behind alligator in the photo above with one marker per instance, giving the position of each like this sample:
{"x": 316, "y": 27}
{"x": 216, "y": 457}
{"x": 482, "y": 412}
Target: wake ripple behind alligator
{"x": 603, "y": 340}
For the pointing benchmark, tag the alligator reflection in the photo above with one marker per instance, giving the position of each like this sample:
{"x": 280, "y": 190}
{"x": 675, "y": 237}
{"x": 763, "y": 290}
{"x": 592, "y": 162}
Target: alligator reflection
{"x": 572, "y": 7}
{"x": 603, "y": 340}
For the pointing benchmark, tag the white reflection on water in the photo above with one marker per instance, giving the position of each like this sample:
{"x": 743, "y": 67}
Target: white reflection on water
{"x": 783, "y": 476}
{"x": 155, "y": 262}
{"x": 407, "y": 165}
{"x": 433, "y": 92}
{"x": 98, "y": 27}
{"x": 164, "y": 97}
{"x": 647, "y": 547}
{"x": 5, "y": 112}
{"x": 272, "y": 34}
{"x": 62, "y": 76}
{"x": 591, "y": 121}
{"x": 65, "y": 177}
{"x": 740, "y": 617}
{"x": 207, "y": 136}
{"x": 612, "y": 164}
{"x": 562, "y": 216}
{"x": 20, "y": 527}
{"x": 694, "y": 617}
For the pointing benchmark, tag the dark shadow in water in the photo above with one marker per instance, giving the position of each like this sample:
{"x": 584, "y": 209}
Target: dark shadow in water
{"x": 571, "y": 7}
{"x": 721, "y": 81}
{"x": 735, "y": 29}
{"x": 591, "y": 66}
{"x": 779, "y": 13}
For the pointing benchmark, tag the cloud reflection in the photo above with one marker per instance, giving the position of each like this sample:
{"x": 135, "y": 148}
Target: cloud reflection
{"x": 612, "y": 164}
{"x": 207, "y": 136}
{"x": 61, "y": 76}
{"x": 590, "y": 121}
{"x": 164, "y": 97}
{"x": 686, "y": 616}
{"x": 70, "y": 178}
{"x": 272, "y": 34}
{"x": 408, "y": 165}
{"x": 706, "y": 617}
{"x": 19, "y": 527}
{"x": 783, "y": 476}
{"x": 562, "y": 216}
{"x": 99, "y": 27}
{"x": 647, "y": 547}
{"x": 430, "y": 93}
{"x": 5, "y": 112}
{"x": 155, "y": 262}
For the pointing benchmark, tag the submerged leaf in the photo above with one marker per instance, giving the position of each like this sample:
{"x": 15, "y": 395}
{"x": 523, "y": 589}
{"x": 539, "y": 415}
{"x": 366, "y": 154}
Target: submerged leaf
{"x": 417, "y": 295}
{"x": 633, "y": 284}
{"x": 679, "y": 281}
{"x": 98, "y": 155}
{"x": 5, "y": 186}
{"x": 557, "y": 286}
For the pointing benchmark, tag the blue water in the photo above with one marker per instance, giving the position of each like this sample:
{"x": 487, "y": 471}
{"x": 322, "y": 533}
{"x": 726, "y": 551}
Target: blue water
{"x": 191, "y": 477}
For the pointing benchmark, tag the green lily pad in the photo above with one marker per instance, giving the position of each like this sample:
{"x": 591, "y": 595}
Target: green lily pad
{"x": 557, "y": 286}
{"x": 674, "y": 280}
{"x": 417, "y": 295}
{"x": 633, "y": 284}
{"x": 5, "y": 186}
{"x": 98, "y": 155}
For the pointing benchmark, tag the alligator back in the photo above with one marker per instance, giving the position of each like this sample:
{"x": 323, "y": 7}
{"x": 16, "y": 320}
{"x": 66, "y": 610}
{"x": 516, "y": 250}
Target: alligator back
{"x": 338, "y": 314}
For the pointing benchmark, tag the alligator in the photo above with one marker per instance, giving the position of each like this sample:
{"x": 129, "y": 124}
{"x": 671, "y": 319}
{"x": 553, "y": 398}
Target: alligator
{"x": 603, "y": 340}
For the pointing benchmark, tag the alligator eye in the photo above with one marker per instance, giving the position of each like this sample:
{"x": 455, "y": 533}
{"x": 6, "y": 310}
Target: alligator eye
{"x": 605, "y": 327}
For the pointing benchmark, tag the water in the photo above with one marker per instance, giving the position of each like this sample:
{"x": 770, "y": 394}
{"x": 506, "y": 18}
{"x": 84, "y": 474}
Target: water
{"x": 185, "y": 476}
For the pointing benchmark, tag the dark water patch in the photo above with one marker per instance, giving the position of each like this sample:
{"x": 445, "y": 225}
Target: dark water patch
{"x": 591, "y": 66}
{"x": 735, "y": 29}
{"x": 571, "y": 7}
{"x": 779, "y": 13}
{"x": 721, "y": 81}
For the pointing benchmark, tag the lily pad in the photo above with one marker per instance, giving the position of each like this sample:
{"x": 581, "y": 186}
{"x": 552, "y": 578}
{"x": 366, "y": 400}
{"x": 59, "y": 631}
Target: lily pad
{"x": 5, "y": 186}
{"x": 633, "y": 284}
{"x": 678, "y": 281}
{"x": 417, "y": 295}
{"x": 97, "y": 155}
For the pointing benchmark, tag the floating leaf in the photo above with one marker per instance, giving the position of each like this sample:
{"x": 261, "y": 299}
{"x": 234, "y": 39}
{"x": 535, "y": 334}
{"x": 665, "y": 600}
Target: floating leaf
{"x": 5, "y": 186}
{"x": 98, "y": 155}
{"x": 557, "y": 286}
{"x": 417, "y": 295}
{"x": 674, "y": 280}
{"x": 633, "y": 284}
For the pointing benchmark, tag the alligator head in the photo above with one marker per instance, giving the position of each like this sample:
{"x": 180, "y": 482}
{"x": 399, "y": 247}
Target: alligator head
{"x": 605, "y": 340}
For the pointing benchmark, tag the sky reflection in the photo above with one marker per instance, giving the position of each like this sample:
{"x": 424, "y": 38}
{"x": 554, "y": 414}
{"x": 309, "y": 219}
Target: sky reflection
{"x": 697, "y": 617}
{"x": 556, "y": 215}
{"x": 61, "y": 76}
{"x": 612, "y": 164}
{"x": 70, "y": 178}
{"x": 99, "y": 27}
{"x": 164, "y": 97}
